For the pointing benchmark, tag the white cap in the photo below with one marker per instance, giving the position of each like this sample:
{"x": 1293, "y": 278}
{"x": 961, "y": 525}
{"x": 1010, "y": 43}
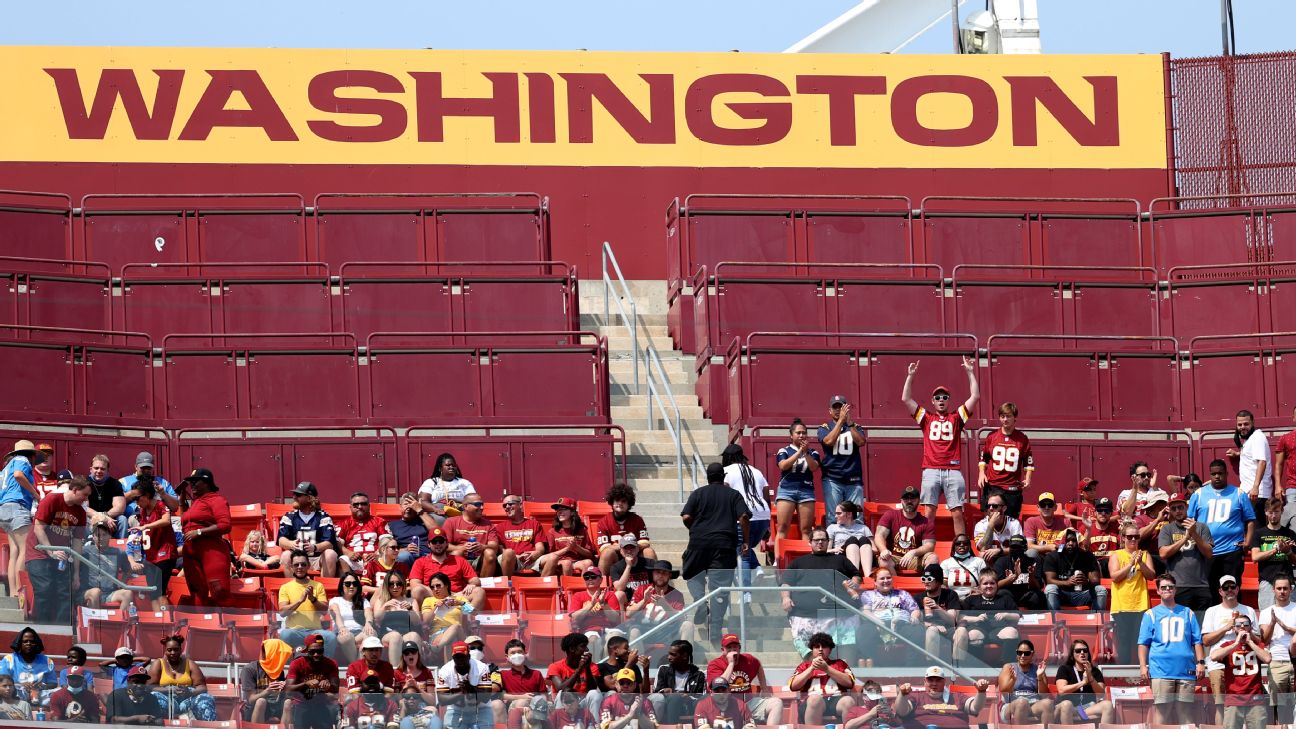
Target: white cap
{"x": 935, "y": 672}
{"x": 372, "y": 641}
{"x": 124, "y": 651}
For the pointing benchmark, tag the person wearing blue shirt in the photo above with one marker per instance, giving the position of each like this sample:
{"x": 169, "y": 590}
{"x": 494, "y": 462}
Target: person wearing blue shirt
{"x": 17, "y": 493}
{"x": 31, "y": 670}
{"x": 843, "y": 471}
{"x": 1229, "y": 515}
{"x": 144, "y": 469}
{"x": 1171, "y": 655}
{"x": 797, "y": 463}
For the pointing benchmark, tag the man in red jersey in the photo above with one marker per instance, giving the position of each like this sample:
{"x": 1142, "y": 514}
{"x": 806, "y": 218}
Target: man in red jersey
{"x": 1245, "y": 701}
{"x": 473, "y": 536}
{"x": 358, "y": 534}
{"x": 1046, "y": 531}
{"x": 942, "y": 431}
{"x": 825, "y": 683}
{"x": 521, "y": 537}
{"x": 312, "y": 687}
{"x": 47, "y": 478}
{"x": 463, "y": 578}
{"x": 744, "y": 675}
{"x": 905, "y": 539}
{"x": 937, "y": 706}
{"x": 1284, "y": 455}
{"x": 1103, "y": 535}
{"x": 1006, "y": 465}
{"x": 720, "y": 710}
{"x": 620, "y": 522}
{"x": 371, "y": 662}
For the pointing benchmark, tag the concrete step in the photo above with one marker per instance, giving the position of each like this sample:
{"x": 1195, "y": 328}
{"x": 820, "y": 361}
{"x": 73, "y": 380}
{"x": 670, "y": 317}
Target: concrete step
{"x": 688, "y": 398}
{"x": 592, "y": 317}
{"x": 663, "y": 451}
{"x": 623, "y": 413}
{"x": 693, "y": 432}
{"x": 652, "y": 490}
{"x": 644, "y": 330}
{"x": 621, "y": 342}
{"x": 625, "y": 388}
{"x": 675, "y": 368}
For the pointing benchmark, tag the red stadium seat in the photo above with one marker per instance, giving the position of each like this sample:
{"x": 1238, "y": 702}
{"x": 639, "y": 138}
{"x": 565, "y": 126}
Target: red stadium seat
{"x": 151, "y": 628}
{"x": 206, "y": 637}
{"x": 247, "y": 632}
{"x": 537, "y": 594}
{"x": 499, "y": 595}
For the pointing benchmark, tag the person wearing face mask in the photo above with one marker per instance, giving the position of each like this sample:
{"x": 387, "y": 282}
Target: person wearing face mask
{"x": 134, "y": 703}
{"x": 477, "y": 651}
{"x": 962, "y": 567}
{"x": 1072, "y": 577}
{"x": 73, "y": 703}
{"x": 519, "y": 682}
{"x": 721, "y": 711}
{"x": 1020, "y": 575}
{"x": 464, "y": 687}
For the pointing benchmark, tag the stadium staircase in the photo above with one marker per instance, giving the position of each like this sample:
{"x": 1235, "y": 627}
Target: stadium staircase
{"x": 650, "y": 454}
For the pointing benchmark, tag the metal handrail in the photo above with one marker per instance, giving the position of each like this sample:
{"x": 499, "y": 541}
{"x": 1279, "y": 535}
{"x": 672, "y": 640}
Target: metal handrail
{"x": 685, "y": 614}
{"x": 654, "y": 371}
{"x": 83, "y": 560}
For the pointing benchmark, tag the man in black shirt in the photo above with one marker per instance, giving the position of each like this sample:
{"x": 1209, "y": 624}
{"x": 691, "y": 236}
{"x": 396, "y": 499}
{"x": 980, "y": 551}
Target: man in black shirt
{"x": 1273, "y": 547}
{"x": 1071, "y": 576}
{"x": 629, "y": 571}
{"x": 716, "y": 516}
{"x": 986, "y": 611}
{"x": 939, "y": 606}
{"x": 813, "y": 612}
{"x": 107, "y": 500}
{"x": 134, "y": 703}
{"x": 619, "y": 656}
{"x": 1020, "y": 575}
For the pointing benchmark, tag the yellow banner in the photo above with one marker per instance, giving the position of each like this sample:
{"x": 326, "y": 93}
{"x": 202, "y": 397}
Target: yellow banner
{"x": 580, "y": 109}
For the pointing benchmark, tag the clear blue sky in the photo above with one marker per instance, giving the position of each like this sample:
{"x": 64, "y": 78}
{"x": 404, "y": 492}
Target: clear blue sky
{"x": 1182, "y": 27}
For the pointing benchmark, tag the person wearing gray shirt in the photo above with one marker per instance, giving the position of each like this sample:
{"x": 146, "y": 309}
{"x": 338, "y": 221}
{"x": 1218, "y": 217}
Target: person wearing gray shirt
{"x": 1186, "y": 547}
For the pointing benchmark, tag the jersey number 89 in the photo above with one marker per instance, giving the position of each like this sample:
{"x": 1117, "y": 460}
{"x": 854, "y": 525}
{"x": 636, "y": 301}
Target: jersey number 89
{"x": 940, "y": 430}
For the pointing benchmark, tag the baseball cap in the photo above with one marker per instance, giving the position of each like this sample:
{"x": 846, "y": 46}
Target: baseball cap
{"x": 45, "y": 448}
{"x": 540, "y": 705}
{"x": 1227, "y": 579}
{"x": 306, "y": 488}
{"x": 564, "y": 502}
{"x": 934, "y": 672}
{"x": 1017, "y": 540}
{"x": 940, "y": 388}
{"x": 1179, "y": 497}
{"x": 144, "y": 459}
{"x": 1086, "y": 483}
{"x": 436, "y": 534}
{"x": 137, "y": 672}
{"x": 78, "y": 671}
{"x": 592, "y": 572}
{"x": 1155, "y": 496}
{"x": 202, "y": 474}
{"x": 1046, "y": 496}
{"x": 474, "y": 639}
{"x": 408, "y": 645}
{"x": 124, "y": 651}
{"x": 626, "y": 674}
{"x": 837, "y": 400}
{"x": 629, "y": 540}
{"x": 1104, "y": 504}
{"x": 715, "y": 473}
{"x": 459, "y": 648}
{"x": 718, "y": 683}
{"x": 728, "y": 638}
{"x": 934, "y": 570}
{"x": 909, "y": 491}
{"x": 372, "y": 641}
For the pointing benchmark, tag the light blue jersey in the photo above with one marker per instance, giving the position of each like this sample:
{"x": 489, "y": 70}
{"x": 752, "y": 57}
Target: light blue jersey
{"x": 1226, "y": 513}
{"x": 1171, "y": 635}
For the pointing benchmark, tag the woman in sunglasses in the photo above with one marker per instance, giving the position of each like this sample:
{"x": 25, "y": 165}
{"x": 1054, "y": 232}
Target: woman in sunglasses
{"x": 1020, "y": 685}
{"x": 1081, "y": 690}
{"x": 352, "y": 617}
{"x": 395, "y": 618}
{"x": 1130, "y": 568}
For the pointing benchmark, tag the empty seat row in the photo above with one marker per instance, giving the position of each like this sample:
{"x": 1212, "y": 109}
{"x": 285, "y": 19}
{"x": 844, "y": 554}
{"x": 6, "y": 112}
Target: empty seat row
{"x": 1060, "y": 381}
{"x": 704, "y": 231}
{"x": 280, "y": 379}
{"x": 360, "y": 298}
{"x": 1195, "y": 303}
{"x": 260, "y": 465}
{"x": 275, "y": 228}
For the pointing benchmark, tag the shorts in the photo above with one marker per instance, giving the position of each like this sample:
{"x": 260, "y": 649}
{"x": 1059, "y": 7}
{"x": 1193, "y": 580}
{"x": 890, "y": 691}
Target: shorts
{"x": 1280, "y": 683}
{"x": 797, "y": 494}
{"x": 757, "y": 708}
{"x": 13, "y": 516}
{"x": 947, "y": 481}
{"x": 1170, "y": 690}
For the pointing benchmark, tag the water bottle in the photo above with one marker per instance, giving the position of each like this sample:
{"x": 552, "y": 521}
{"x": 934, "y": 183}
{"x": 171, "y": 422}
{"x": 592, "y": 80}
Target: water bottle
{"x": 134, "y": 544}
{"x": 132, "y": 611}
{"x": 39, "y": 715}
{"x": 62, "y": 565}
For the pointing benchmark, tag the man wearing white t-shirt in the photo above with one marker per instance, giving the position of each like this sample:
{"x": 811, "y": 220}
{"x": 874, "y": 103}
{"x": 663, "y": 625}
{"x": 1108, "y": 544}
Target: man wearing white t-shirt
{"x": 992, "y": 532}
{"x": 1255, "y": 478}
{"x": 1217, "y": 628}
{"x": 1277, "y": 626}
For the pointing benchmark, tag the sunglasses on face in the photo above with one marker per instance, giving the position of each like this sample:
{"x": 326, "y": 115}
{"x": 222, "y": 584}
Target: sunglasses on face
{"x": 1143, "y": 475}
{"x": 928, "y": 578}
{"x": 351, "y": 584}
{"x": 1025, "y": 653}
{"x": 994, "y": 507}
{"x": 1080, "y": 650}
{"x": 1131, "y": 536}
{"x": 438, "y": 541}
{"x": 358, "y": 504}
{"x": 1102, "y": 511}
{"x": 478, "y": 504}
{"x": 940, "y": 398}
{"x": 508, "y": 504}
{"x": 315, "y": 652}
{"x": 395, "y": 583}
{"x": 300, "y": 565}
{"x": 1228, "y": 586}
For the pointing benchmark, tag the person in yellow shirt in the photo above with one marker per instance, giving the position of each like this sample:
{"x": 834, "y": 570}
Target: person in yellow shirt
{"x": 1130, "y": 568}
{"x": 301, "y": 603}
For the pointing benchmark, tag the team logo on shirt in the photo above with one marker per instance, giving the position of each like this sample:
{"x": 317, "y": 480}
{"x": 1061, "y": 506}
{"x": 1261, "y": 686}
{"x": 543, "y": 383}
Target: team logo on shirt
{"x": 905, "y": 537}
